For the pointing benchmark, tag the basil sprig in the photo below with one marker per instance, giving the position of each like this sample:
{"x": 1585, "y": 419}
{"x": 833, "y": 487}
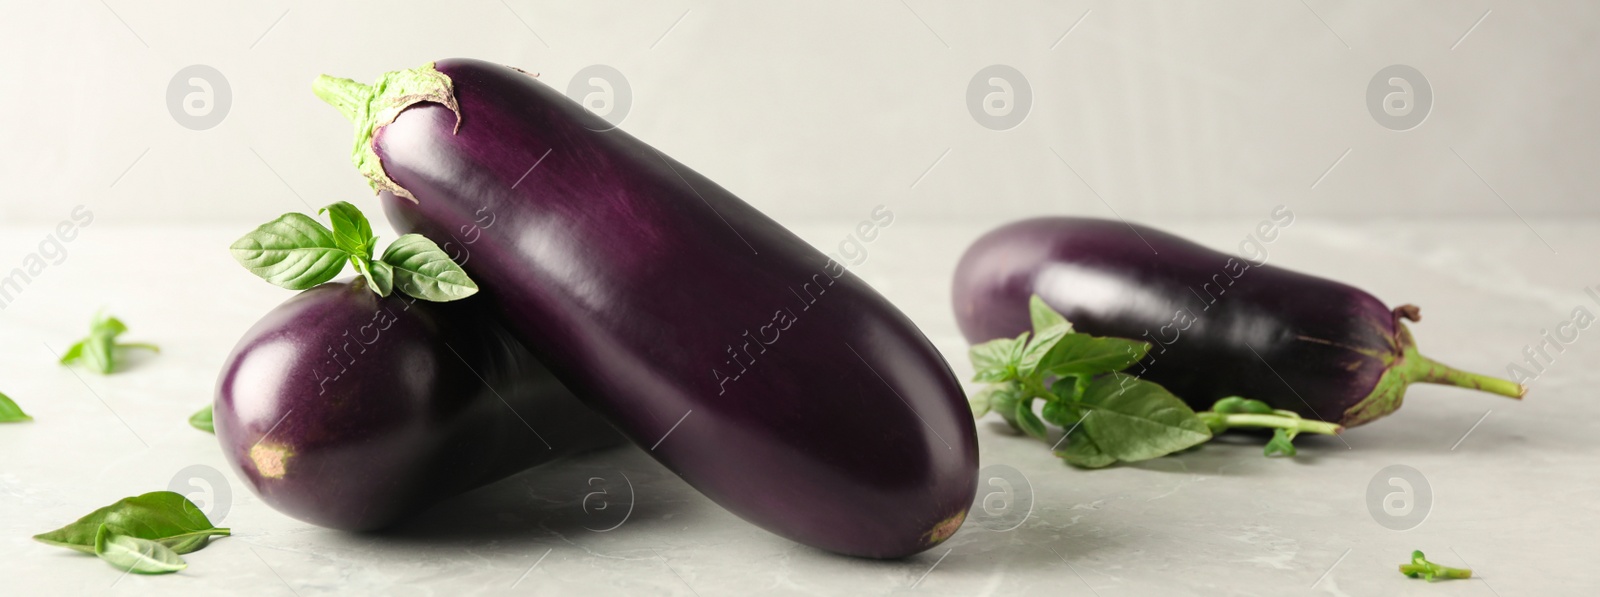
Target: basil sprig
{"x": 10, "y": 412}
{"x": 1109, "y": 416}
{"x": 99, "y": 349}
{"x": 142, "y": 534}
{"x": 1420, "y": 567}
{"x": 297, "y": 252}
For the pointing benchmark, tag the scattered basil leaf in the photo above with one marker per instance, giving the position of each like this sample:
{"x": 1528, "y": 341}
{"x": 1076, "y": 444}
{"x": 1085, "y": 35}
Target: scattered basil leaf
{"x": 132, "y": 554}
{"x": 1030, "y": 422}
{"x": 1005, "y": 400}
{"x": 1241, "y": 405}
{"x": 1281, "y": 444}
{"x": 1039, "y": 348}
{"x": 351, "y": 230}
{"x": 1081, "y": 451}
{"x": 424, "y": 271}
{"x": 99, "y": 350}
{"x": 1082, "y": 354}
{"x": 10, "y": 412}
{"x": 1420, "y": 567}
{"x": 380, "y": 276}
{"x": 165, "y": 517}
{"x": 293, "y": 251}
{"x": 1134, "y": 419}
{"x": 201, "y": 420}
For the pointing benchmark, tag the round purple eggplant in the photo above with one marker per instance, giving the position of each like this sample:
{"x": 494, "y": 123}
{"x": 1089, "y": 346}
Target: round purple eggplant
{"x": 1218, "y": 325}
{"x": 351, "y": 411}
{"x": 760, "y": 371}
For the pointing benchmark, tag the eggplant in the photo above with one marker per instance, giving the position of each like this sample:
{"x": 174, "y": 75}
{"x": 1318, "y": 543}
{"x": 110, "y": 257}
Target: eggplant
{"x": 757, "y": 369}
{"x": 1218, "y": 325}
{"x": 353, "y": 411}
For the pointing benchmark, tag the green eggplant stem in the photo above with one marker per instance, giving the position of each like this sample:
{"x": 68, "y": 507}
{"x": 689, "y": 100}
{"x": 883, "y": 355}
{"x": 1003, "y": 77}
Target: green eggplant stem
{"x": 1427, "y": 370}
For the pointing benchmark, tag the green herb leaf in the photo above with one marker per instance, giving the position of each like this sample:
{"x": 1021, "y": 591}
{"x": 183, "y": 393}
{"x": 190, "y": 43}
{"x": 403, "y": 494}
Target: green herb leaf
{"x": 1004, "y": 400}
{"x": 201, "y": 420}
{"x": 996, "y": 360}
{"x": 980, "y": 402}
{"x": 1420, "y": 567}
{"x": 380, "y": 277}
{"x": 1029, "y": 422}
{"x": 1132, "y": 419}
{"x": 1281, "y": 444}
{"x": 10, "y": 412}
{"x": 1081, "y": 451}
{"x": 293, "y": 251}
{"x": 1060, "y": 413}
{"x": 1044, "y": 317}
{"x": 1044, "y": 342}
{"x": 1082, "y": 354}
{"x": 162, "y": 516}
{"x": 351, "y": 231}
{"x": 99, "y": 350}
{"x": 424, "y": 271}
{"x": 132, "y": 554}
{"x": 1241, "y": 405}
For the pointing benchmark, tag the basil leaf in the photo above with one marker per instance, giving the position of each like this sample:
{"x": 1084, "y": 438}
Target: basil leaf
{"x": 1081, "y": 451}
{"x": 1044, "y": 341}
{"x": 1044, "y": 317}
{"x": 1281, "y": 444}
{"x": 73, "y": 353}
{"x": 980, "y": 402}
{"x": 132, "y": 554}
{"x": 1131, "y": 419}
{"x": 424, "y": 271}
{"x": 1082, "y": 354}
{"x": 10, "y": 412}
{"x": 1060, "y": 413}
{"x": 108, "y": 325}
{"x": 201, "y": 420}
{"x": 1029, "y": 422}
{"x": 293, "y": 251}
{"x": 1239, "y": 405}
{"x": 162, "y": 516}
{"x": 1004, "y": 400}
{"x": 97, "y": 352}
{"x": 380, "y": 276}
{"x": 1071, "y": 387}
{"x": 351, "y": 231}
{"x": 996, "y": 360}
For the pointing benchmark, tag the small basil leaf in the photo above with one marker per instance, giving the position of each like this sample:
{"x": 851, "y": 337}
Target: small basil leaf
{"x": 980, "y": 402}
{"x": 1083, "y": 354}
{"x": 1131, "y": 419}
{"x": 132, "y": 554}
{"x": 73, "y": 353}
{"x": 10, "y": 412}
{"x": 1044, "y": 317}
{"x": 97, "y": 352}
{"x": 1060, "y": 413}
{"x": 351, "y": 231}
{"x": 1238, "y": 405}
{"x": 1004, "y": 401}
{"x": 996, "y": 360}
{"x": 424, "y": 271}
{"x": 106, "y": 324}
{"x": 1044, "y": 341}
{"x": 162, "y": 516}
{"x": 1281, "y": 444}
{"x": 1029, "y": 422}
{"x": 201, "y": 420}
{"x": 293, "y": 251}
{"x": 380, "y": 276}
{"x": 1081, "y": 451}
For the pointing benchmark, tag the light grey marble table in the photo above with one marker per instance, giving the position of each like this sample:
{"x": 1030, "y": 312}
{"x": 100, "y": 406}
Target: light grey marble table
{"x": 1514, "y": 485}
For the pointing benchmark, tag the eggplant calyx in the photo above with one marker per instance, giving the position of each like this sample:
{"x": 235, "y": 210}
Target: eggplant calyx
{"x": 1411, "y": 367}
{"x": 372, "y": 107}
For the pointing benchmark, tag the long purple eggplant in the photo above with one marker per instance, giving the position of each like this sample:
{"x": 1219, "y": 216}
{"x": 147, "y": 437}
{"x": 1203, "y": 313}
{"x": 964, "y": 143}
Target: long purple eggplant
{"x": 1218, "y": 325}
{"x": 760, "y": 371}
{"x": 351, "y": 411}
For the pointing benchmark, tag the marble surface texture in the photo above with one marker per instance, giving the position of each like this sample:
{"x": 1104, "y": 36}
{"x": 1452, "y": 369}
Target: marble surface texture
{"x": 1514, "y": 485}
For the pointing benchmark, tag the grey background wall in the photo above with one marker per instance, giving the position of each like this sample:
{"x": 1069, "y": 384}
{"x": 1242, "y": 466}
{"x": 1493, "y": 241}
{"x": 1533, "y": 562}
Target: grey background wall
{"x": 815, "y": 110}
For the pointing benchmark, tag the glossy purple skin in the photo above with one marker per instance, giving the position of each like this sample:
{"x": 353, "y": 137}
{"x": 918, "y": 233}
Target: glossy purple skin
{"x": 1297, "y": 342}
{"x": 405, "y": 424}
{"x": 636, "y": 278}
